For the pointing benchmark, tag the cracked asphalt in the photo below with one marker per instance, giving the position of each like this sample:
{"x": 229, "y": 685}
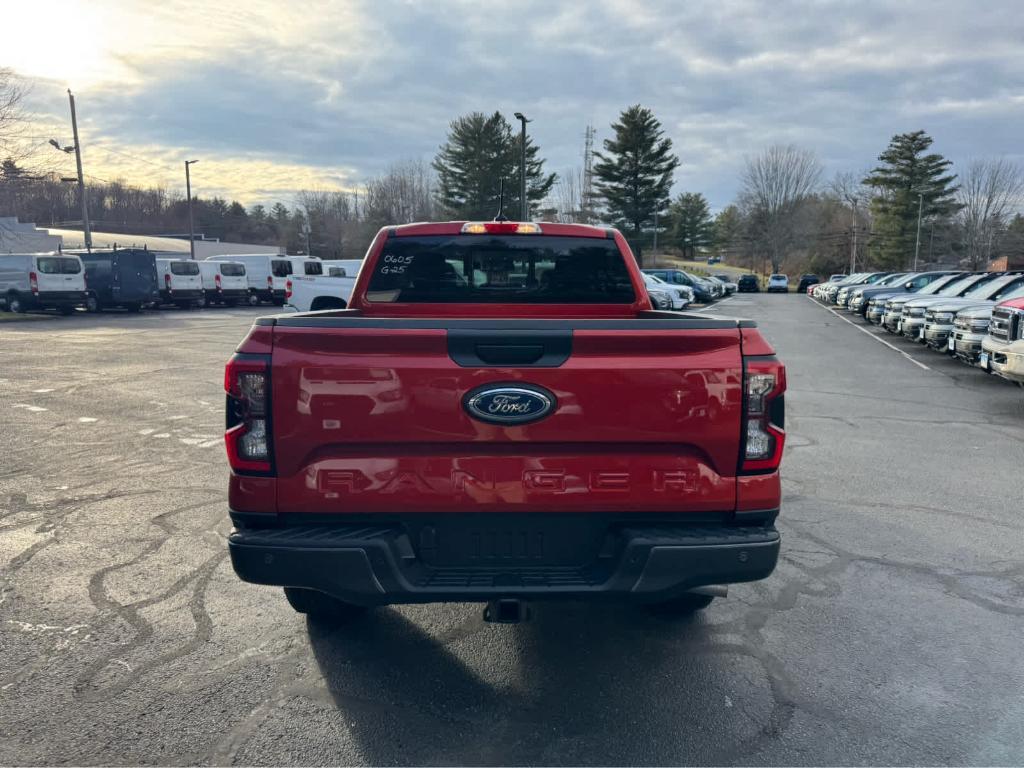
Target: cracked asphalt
{"x": 890, "y": 633}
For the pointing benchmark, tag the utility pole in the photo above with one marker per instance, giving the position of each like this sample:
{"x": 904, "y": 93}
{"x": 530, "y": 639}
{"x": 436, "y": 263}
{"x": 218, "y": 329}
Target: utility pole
{"x": 853, "y": 246}
{"x": 81, "y": 179}
{"x": 587, "y": 195}
{"x": 654, "y": 247}
{"x": 525, "y": 216}
{"x": 191, "y": 227}
{"x": 917, "y": 245}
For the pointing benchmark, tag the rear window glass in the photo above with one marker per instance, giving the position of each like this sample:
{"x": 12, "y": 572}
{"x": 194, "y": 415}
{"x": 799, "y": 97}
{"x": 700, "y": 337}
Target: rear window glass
{"x": 184, "y": 268}
{"x": 281, "y": 268}
{"x": 532, "y": 269}
{"x": 313, "y": 267}
{"x": 337, "y": 272}
{"x": 58, "y": 265}
{"x": 232, "y": 270}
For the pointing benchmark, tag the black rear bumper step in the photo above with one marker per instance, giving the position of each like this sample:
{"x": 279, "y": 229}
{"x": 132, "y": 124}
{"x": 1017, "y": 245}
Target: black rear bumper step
{"x": 378, "y": 565}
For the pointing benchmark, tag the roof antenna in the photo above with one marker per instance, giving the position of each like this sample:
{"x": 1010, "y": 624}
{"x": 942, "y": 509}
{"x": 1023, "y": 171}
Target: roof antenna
{"x": 501, "y": 201}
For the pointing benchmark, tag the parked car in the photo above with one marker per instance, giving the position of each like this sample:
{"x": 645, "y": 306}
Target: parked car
{"x": 342, "y": 267}
{"x": 970, "y": 327}
{"x": 404, "y": 489}
{"x": 124, "y": 278}
{"x": 224, "y": 282}
{"x": 877, "y": 296}
{"x": 265, "y": 273}
{"x": 180, "y": 283}
{"x": 892, "y": 310}
{"x": 911, "y": 308}
{"x": 748, "y": 284}
{"x": 830, "y": 291}
{"x": 728, "y": 282}
{"x": 680, "y": 296}
{"x": 1002, "y": 351}
{"x": 702, "y": 292}
{"x": 940, "y": 316}
{"x": 778, "y": 284}
{"x": 31, "y": 281}
{"x": 806, "y": 281}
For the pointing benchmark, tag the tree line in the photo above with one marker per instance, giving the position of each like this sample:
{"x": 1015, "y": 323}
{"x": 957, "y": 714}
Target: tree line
{"x": 909, "y": 208}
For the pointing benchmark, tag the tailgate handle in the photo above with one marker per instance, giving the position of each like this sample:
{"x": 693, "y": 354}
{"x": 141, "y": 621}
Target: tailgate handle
{"x": 512, "y": 348}
{"x": 509, "y": 354}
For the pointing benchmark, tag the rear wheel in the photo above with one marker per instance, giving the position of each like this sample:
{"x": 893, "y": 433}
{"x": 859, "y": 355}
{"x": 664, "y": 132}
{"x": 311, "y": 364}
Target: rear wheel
{"x": 92, "y": 304}
{"x": 321, "y": 607}
{"x": 14, "y": 303}
{"x": 254, "y": 300}
{"x": 681, "y": 606}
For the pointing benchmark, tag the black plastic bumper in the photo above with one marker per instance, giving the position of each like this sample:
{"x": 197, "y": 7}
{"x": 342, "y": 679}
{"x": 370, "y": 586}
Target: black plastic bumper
{"x": 378, "y": 564}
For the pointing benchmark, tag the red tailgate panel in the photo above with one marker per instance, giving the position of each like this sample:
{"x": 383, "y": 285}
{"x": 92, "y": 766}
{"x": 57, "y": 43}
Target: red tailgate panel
{"x": 371, "y": 420}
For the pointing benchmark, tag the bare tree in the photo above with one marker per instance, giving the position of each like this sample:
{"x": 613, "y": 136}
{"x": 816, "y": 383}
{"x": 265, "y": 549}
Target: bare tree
{"x": 403, "y": 194}
{"x": 990, "y": 191}
{"x": 569, "y": 195}
{"x": 774, "y": 185}
{"x": 850, "y": 189}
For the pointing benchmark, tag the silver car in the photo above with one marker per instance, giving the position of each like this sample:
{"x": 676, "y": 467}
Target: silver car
{"x": 970, "y": 327}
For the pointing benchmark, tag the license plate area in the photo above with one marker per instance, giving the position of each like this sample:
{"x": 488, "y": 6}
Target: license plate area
{"x": 483, "y": 540}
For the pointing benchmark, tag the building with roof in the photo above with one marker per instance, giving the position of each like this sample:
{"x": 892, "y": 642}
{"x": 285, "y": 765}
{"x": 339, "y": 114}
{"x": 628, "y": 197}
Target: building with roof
{"x": 24, "y": 237}
{"x": 169, "y": 246}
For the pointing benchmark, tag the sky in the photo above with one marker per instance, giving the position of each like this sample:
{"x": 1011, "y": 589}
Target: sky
{"x": 272, "y": 97}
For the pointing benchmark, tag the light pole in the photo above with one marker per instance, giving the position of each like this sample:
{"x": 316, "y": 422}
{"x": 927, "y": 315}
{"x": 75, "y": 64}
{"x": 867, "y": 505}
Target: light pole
{"x": 188, "y": 193}
{"x": 525, "y": 215}
{"x": 77, "y": 149}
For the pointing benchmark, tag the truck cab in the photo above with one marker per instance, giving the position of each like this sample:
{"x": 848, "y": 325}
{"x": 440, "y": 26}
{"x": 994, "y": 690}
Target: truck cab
{"x": 500, "y": 416}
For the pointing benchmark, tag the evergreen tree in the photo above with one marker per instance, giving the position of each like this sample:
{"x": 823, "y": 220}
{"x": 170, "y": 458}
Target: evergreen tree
{"x": 634, "y": 173}
{"x": 691, "y": 226}
{"x": 479, "y": 154}
{"x": 906, "y": 179}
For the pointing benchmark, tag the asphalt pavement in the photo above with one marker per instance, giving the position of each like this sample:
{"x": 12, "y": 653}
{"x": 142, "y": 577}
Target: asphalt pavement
{"x": 890, "y": 633}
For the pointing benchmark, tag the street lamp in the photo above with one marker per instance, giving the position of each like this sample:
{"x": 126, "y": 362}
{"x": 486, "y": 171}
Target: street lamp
{"x": 522, "y": 168}
{"x": 188, "y": 192}
{"x": 77, "y": 149}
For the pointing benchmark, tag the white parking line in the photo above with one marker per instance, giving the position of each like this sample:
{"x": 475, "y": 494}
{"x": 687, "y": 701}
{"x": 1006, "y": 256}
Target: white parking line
{"x": 876, "y": 338}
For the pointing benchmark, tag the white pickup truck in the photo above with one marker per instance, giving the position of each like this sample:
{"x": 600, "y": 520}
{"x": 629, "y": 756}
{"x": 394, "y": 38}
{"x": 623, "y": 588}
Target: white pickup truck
{"x": 311, "y": 293}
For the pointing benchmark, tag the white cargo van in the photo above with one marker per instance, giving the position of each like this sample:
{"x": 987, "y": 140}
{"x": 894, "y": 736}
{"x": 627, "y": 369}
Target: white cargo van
{"x": 180, "y": 282}
{"x": 224, "y": 282}
{"x": 42, "y": 281}
{"x": 266, "y": 274}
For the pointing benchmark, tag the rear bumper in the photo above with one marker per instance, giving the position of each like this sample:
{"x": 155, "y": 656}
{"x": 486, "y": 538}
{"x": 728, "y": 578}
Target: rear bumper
{"x": 369, "y": 564}
{"x": 186, "y": 294}
{"x": 229, "y": 294}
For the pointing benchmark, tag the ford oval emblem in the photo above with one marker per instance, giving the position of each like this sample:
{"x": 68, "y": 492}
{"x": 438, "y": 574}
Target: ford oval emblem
{"x": 509, "y": 403}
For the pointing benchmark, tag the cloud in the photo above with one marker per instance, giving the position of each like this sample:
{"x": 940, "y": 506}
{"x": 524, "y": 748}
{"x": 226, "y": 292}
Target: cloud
{"x": 274, "y": 97}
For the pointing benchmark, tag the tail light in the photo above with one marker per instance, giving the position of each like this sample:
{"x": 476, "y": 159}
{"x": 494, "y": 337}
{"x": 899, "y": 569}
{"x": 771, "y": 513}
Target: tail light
{"x": 167, "y": 282}
{"x": 764, "y": 436}
{"x": 248, "y": 435}
{"x": 33, "y": 282}
{"x": 288, "y": 289}
{"x": 270, "y": 283}
{"x": 216, "y": 281}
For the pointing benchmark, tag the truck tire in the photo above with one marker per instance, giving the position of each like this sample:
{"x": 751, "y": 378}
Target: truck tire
{"x": 321, "y": 607}
{"x": 14, "y": 303}
{"x": 92, "y": 304}
{"x": 681, "y": 606}
{"x": 254, "y": 299}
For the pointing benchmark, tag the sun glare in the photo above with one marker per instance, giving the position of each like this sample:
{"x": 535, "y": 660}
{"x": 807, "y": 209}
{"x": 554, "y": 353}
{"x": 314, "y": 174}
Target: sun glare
{"x": 74, "y": 47}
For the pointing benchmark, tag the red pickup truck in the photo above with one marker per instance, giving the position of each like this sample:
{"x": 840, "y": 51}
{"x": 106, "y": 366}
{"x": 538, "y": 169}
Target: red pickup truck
{"x": 500, "y": 416}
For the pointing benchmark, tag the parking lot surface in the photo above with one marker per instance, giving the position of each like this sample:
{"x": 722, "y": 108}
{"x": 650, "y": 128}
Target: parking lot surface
{"x": 890, "y": 633}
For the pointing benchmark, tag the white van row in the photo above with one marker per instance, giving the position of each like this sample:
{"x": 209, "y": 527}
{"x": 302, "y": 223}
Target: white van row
{"x": 59, "y": 281}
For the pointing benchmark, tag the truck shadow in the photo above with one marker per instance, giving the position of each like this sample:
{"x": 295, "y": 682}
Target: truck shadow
{"x": 578, "y": 684}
